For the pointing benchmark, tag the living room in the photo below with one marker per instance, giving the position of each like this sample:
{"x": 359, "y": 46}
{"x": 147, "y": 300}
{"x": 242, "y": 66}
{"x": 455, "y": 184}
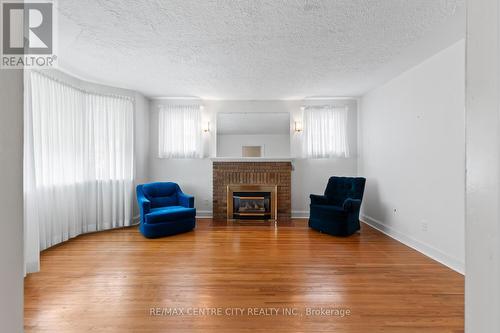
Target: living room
{"x": 233, "y": 166}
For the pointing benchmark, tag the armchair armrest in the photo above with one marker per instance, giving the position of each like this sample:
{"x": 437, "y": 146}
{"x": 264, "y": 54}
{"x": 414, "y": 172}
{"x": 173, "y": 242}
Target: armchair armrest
{"x": 351, "y": 205}
{"x": 319, "y": 199}
{"x": 144, "y": 203}
{"x": 186, "y": 200}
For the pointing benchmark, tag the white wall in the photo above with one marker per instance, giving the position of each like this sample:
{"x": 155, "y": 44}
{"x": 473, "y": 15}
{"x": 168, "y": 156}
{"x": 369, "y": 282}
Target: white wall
{"x": 11, "y": 201}
{"x": 482, "y": 279}
{"x": 195, "y": 176}
{"x": 273, "y": 145}
{"x": 412, "y": 152}
{"x": 141, "y": 126}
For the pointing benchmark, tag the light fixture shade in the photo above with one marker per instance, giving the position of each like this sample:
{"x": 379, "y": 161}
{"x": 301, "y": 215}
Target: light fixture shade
{"x": 206, "y": 127}
{"x": 298, "y": 126}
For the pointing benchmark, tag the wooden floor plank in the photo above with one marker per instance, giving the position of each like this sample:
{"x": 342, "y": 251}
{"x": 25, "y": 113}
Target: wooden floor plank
{"x": 109, "y": 281}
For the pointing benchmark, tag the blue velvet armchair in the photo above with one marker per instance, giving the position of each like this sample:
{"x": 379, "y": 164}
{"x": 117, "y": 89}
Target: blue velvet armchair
{"x": 337, "y": 212}
{"x": 165, "y": 210}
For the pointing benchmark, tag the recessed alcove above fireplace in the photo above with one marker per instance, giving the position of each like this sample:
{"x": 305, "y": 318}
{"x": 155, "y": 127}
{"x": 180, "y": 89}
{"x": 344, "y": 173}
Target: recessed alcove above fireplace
{"x": 253, "y": 134}
{"x": 256, "y": 177}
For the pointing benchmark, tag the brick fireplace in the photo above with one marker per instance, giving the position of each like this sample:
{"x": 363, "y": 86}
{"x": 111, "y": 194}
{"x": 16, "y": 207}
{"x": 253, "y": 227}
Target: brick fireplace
{"x": 231, "y": 173}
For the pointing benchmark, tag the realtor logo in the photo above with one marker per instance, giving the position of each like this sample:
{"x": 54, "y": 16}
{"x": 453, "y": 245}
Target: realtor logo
{"x": 27, "y": 34}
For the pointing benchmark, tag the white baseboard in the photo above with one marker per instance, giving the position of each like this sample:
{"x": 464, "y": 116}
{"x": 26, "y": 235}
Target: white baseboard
{"x": 421, "y": 247}
{"x": 204, "y": 214}
{"x": 300, "y": 214}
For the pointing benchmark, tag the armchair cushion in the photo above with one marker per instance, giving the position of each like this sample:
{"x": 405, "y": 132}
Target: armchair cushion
{"x": 166, "y": 214}
{"x": 164, "y": 201}
{"x": 162, "y": 194}
{"x": 341, "y": 188}
{"x": 327, "y": 212}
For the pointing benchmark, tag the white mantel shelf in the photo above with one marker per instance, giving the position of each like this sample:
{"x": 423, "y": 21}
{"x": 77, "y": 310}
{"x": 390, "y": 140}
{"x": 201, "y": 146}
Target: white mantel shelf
{"x": 252, "y": 159}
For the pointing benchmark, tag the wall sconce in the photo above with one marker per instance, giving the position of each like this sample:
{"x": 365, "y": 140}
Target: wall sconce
{"x": 206, "y": 127}
{"x": 297, "y": 126}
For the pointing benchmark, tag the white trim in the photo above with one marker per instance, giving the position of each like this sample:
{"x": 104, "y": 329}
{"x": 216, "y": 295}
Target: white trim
{"x": 300, "y": 214}
{"x": 421, "y": 247}
{"x": 204, "y": 214}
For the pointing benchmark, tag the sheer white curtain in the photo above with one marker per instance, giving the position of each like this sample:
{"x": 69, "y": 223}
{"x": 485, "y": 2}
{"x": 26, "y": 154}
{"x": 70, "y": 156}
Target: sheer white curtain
{"x": 78, "y": 163}
{"x": 179, "y": 131}
{"x": 325, "y": 132}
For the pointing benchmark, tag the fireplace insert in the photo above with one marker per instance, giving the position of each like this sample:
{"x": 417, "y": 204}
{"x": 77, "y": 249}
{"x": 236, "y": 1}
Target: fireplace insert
{"x": 257, "y": 202}
{"x": 252, "y": 205}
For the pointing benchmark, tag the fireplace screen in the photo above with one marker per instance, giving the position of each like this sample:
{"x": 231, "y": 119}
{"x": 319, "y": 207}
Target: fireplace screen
{"x": 252, "y": 205}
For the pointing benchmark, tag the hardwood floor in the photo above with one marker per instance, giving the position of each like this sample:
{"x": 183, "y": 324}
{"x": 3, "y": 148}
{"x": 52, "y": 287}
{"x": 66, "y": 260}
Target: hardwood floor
{"x": 109, "y": 281}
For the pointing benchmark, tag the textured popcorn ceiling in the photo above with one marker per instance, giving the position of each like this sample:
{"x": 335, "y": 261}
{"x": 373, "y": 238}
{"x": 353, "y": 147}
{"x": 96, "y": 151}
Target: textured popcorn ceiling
{"x": 253, "y": 49}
